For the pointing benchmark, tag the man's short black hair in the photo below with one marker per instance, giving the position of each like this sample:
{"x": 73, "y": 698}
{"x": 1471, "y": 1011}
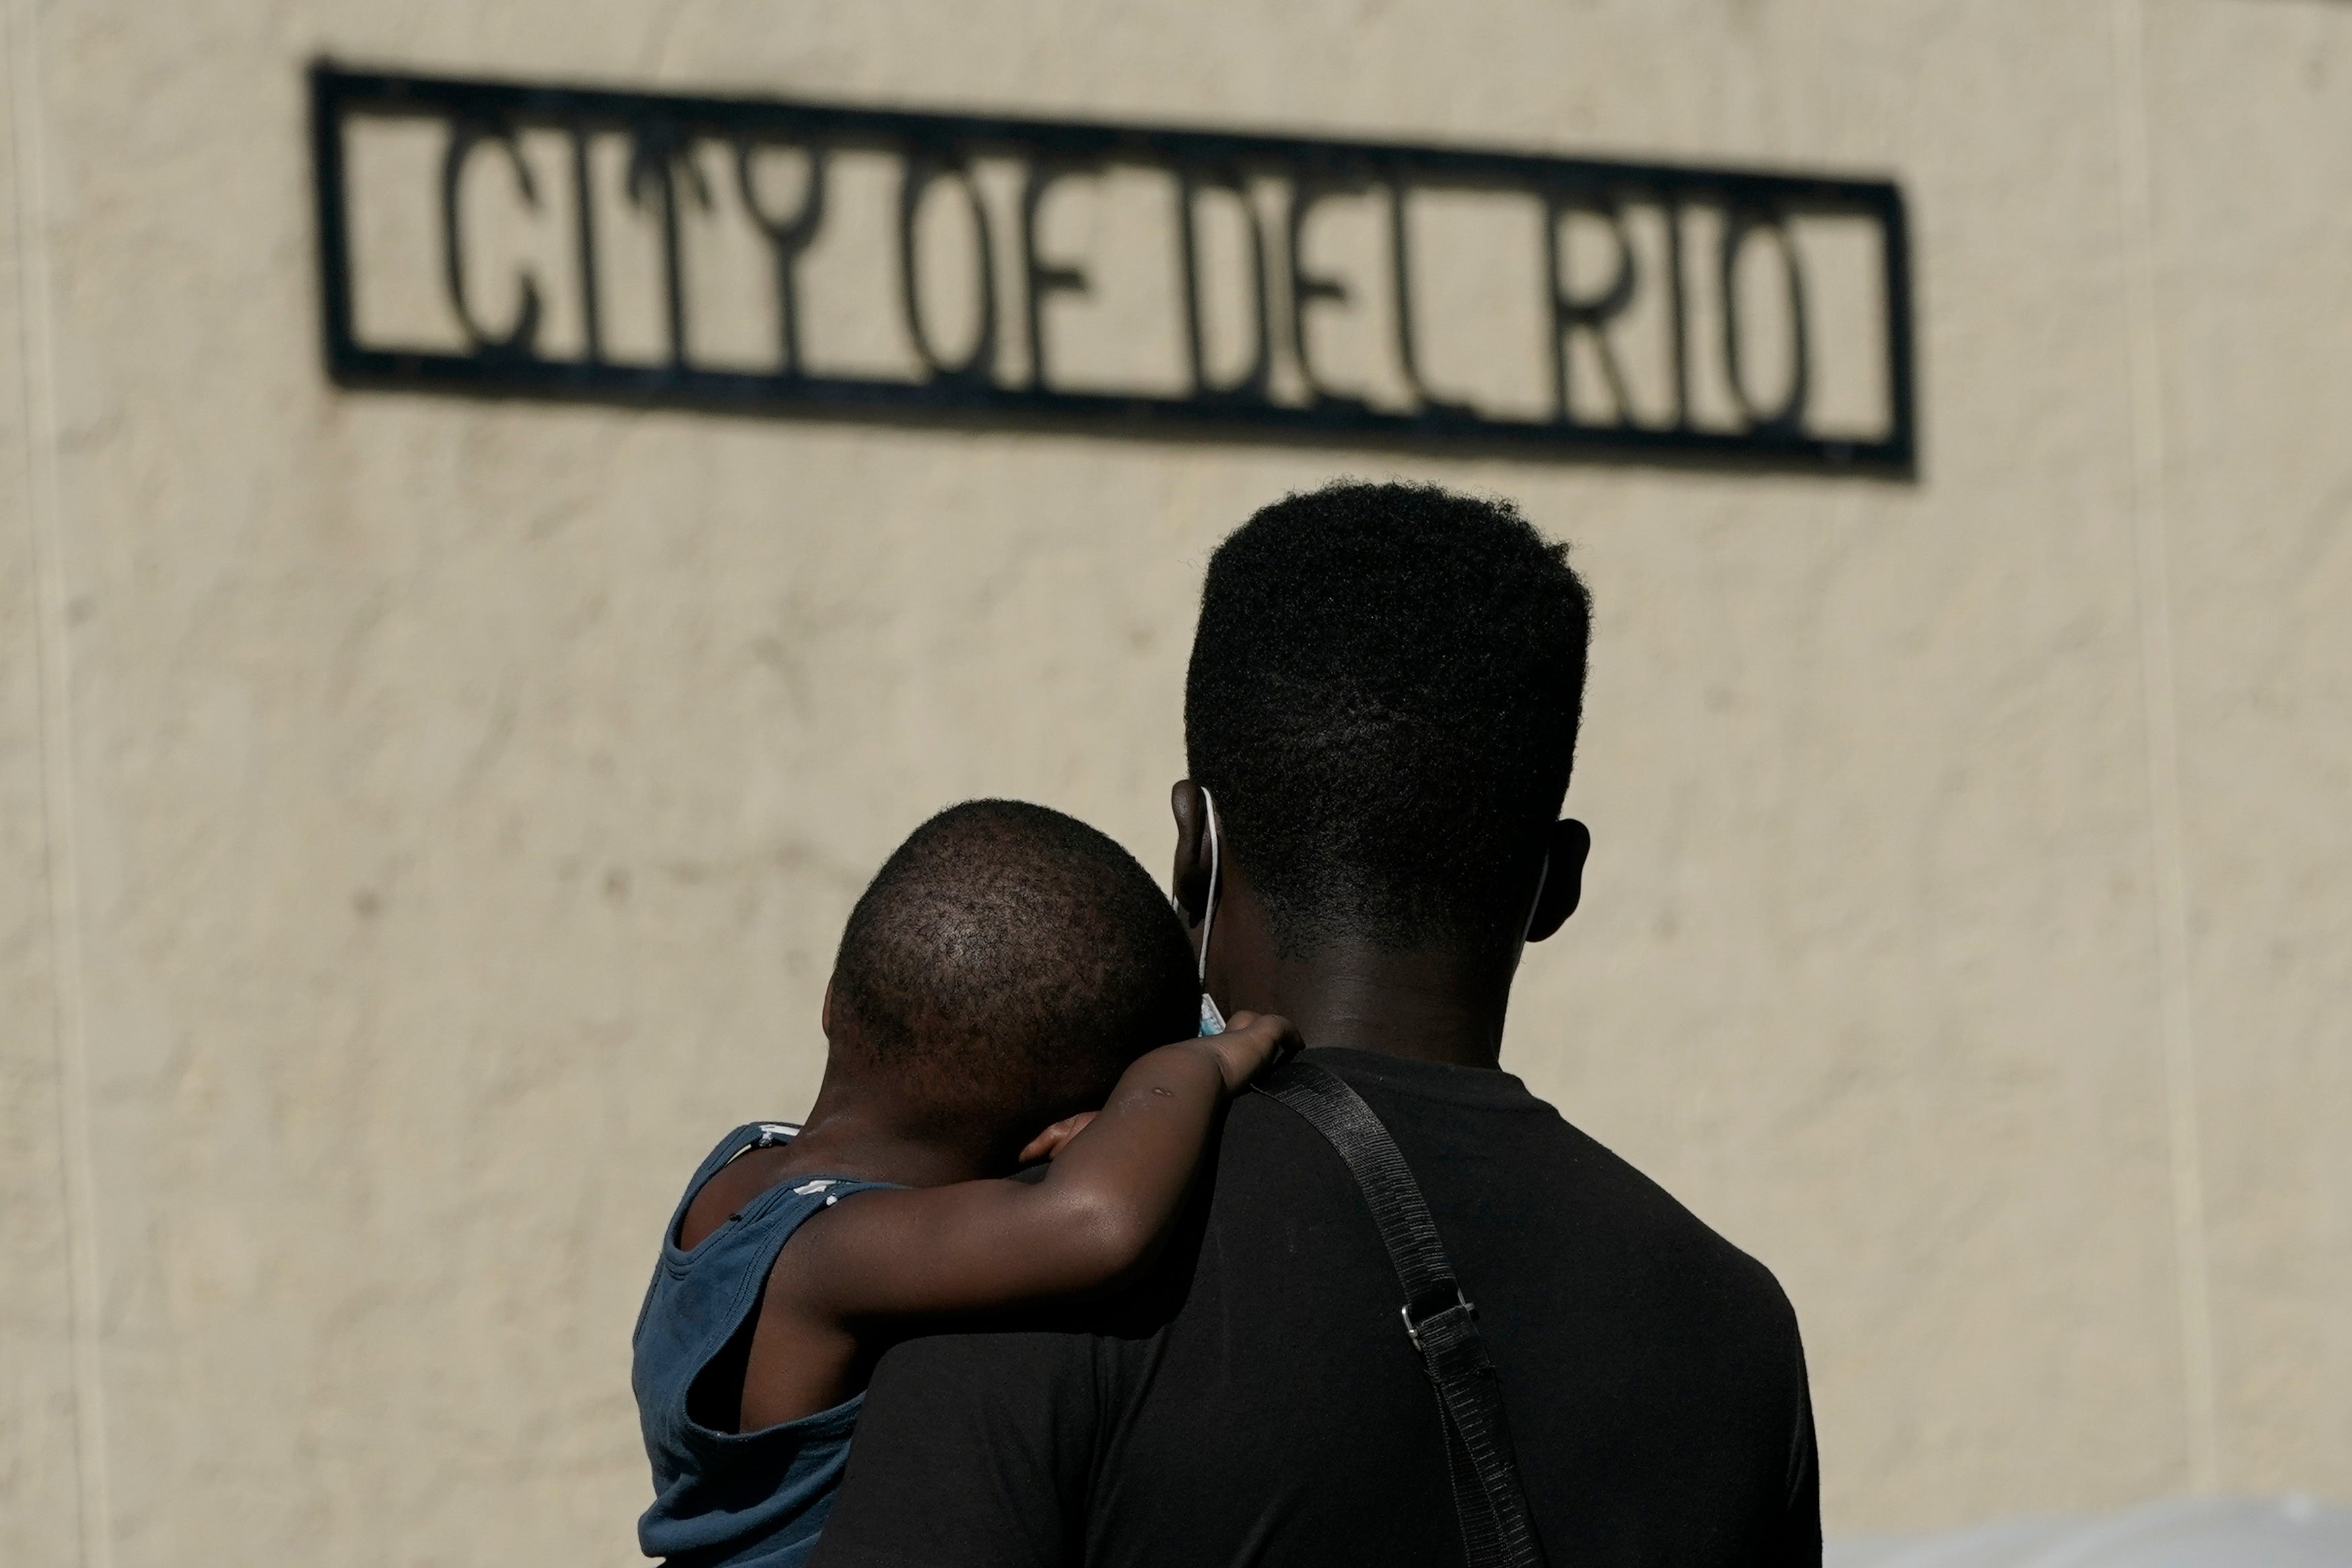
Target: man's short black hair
{"x": 1383, "y": 702}
{"x": 1012, "y": 961}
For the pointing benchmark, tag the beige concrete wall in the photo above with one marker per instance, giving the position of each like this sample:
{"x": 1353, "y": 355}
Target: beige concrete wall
{"x": 40, "y": 1483}
{"x": 2254, "y": 230}
{"x": 465, "y": 797}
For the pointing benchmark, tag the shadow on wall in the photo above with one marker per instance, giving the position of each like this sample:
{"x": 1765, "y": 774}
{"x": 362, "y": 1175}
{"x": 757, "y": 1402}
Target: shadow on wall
{"x": 2294, "y": 1533}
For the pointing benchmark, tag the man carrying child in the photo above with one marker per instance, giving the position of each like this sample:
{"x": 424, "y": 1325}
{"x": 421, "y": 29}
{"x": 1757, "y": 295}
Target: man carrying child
{"x": 1379, "y": 719}
{"x": 1179, "y": 1339}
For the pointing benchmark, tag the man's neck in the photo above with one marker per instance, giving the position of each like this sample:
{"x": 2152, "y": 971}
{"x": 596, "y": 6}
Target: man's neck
{"x": 1433, "y": 1004}
{"x": 1432, "y": 1007}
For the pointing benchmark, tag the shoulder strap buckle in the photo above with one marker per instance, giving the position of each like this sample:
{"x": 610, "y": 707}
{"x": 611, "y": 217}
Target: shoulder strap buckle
{"x": 1412, "y": 1329}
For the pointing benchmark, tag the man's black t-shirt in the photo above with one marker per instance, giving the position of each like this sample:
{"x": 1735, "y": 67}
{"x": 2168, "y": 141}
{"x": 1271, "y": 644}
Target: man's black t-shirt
{"x": 1259, "y": 1402}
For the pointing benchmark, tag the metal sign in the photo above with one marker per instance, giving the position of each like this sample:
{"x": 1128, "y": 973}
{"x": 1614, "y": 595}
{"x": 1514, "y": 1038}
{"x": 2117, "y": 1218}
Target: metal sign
{"x": 1720, "y": 299}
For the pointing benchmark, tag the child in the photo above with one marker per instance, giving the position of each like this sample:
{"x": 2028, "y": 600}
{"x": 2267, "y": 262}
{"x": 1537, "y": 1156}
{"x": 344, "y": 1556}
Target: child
{"x": 1006, "y": 970}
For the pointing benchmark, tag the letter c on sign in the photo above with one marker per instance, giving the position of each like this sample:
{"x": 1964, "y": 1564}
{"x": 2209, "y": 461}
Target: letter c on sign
{"x": 463, "y": 137}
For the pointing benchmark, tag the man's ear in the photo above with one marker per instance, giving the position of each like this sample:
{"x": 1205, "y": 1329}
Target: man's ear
{"x": 1568, "y": 844}
{"x": 825, "y": 1014}
{"x": 1189, "y": 803}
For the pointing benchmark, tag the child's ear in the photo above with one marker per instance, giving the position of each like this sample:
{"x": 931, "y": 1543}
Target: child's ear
{"x": 1054, "y": 1139}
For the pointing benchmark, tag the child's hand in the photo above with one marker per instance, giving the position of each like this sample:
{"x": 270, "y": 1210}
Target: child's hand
{"x": 1049, "y": 1144}
{"x": 1252, "y": 1043}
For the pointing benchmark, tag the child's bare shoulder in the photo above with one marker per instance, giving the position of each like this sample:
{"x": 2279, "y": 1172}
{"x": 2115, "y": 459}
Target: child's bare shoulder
{"x": 730, "y": 1188}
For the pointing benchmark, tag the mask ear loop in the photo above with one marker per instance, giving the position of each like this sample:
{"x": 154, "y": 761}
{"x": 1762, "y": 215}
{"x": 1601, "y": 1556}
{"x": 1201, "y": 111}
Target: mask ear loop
{"x": 1209, "y": 909}
{"x": 1212, "y": 1018}
{"x": 1542, "y": 877}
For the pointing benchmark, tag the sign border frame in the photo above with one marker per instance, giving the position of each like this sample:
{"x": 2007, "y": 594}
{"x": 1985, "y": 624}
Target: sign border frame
{"x": 336, "y": 90}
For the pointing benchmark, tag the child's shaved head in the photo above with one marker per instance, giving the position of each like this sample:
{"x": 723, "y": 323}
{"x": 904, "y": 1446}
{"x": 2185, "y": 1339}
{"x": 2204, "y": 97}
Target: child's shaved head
{"x": 1008, "y": 962}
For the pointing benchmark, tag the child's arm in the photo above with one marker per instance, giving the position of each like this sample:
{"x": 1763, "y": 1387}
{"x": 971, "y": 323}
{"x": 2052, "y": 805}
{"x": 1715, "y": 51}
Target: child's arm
{"x": 1096, "y": 1216}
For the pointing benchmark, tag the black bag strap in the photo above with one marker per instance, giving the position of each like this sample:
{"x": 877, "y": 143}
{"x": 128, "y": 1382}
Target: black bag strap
{"x": 1496, "y": 1532}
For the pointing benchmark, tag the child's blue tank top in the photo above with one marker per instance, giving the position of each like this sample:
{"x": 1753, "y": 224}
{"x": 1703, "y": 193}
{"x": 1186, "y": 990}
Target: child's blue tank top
{"x": 726, "y": 1499}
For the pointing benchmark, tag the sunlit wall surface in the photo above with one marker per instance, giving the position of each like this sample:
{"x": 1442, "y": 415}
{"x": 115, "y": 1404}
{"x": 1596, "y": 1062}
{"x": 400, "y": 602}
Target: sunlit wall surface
{"x": 2187, "y": 1534}
{"x": 424, "y": 823}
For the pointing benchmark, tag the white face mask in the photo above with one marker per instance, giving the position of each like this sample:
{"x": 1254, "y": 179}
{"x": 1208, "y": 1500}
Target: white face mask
{"x": 1212, "y": 1019}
